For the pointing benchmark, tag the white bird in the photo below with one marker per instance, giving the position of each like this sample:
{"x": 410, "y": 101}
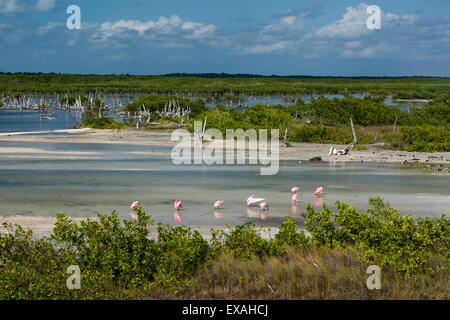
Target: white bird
{"x": 254, "y": 201}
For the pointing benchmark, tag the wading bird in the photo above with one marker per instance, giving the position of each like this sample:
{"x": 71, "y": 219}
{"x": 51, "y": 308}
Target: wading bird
{"x": 177, "y": 204}
{"x": 295, "y": 189}
{"x": 134, "y": 204}
{"x": 254, "y": 201}
{"x": 263, "y": 205}
{"x": 218, "y": 204}
{"x": 318, "y": 192}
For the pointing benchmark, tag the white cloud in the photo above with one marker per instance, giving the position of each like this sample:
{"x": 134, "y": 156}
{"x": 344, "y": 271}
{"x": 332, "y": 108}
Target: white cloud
{"x": 10, "y": 7}
{"x": 45, "y": 5}
{"x": 48, "y": 27}
{"x": 353, "y": 23}
{"x": 164, "y": 26}
{"x": 290, "y": 24}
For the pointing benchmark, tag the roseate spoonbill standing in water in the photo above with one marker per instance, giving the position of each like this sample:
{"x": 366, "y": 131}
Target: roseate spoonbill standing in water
{"x": 177, "y": 204}
{"x": 218, "y": 204}
{"x": 134, "y": 204}
{"x": 295, "y": 189}
{"x": 254, "y": 201}
{"x": 318, "y": 192}
{"x": 263, "y": 205}
{"x": 295, "y": 197}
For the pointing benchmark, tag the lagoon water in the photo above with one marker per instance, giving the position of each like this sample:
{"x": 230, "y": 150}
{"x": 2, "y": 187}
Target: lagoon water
{"x": 106, "y": 177}
{"x": 28, "y": 121}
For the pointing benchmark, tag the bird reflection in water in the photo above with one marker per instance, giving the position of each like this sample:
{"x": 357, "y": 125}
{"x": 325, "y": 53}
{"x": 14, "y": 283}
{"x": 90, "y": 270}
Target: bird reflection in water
{"x": 318, "y": 203}
{"x": 177, "y": 216}
{"x": 294, "y": 209}
{"x": 256, "y": 213}
{"x": 217, "y": 214}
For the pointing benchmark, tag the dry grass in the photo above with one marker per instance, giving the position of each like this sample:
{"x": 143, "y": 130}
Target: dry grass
{"x": 310, "y": 274}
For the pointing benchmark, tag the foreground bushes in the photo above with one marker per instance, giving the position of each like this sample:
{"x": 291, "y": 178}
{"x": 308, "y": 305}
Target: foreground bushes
{"x": 118, "y": 260}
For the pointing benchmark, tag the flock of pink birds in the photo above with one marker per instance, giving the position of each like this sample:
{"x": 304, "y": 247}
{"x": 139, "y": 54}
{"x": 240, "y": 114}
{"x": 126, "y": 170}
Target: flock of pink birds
{"x": 251, "y": 201}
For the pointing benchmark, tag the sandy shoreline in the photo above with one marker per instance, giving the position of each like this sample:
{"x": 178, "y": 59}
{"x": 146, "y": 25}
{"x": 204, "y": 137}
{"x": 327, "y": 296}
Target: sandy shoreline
{"x": 298, "y": 151}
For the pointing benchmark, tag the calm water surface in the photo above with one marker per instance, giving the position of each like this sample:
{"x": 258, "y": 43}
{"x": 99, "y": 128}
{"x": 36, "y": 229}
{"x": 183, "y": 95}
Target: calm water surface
{"x": 106, "y": 177}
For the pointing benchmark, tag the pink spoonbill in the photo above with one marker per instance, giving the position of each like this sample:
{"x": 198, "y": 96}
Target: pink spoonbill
{"x": 318, "y": 192}
{"x": 295, "y": 189}
{"x": 263, "y": 205}
{"x": 295, "y": 197}
{"x": 218, "y": 204}
{"x": 134, "y": 204}
{"x": 177, "y": 204}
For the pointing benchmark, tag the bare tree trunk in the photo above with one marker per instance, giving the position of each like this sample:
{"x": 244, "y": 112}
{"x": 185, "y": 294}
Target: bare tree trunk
{"x": 355, "y": 140}
{"x": 393, "y": 129}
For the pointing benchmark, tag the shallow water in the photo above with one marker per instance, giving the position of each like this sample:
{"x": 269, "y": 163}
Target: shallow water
{"x": 28, "y": 121}
{"x": 108, "y": 177}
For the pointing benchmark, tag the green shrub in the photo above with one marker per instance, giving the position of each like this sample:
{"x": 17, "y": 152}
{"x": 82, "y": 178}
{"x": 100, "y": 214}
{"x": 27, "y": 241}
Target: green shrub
{"x": 289, "y": 236}
{"x": 244, "y": 241}
{"x": 424, "y": 138}
{"x": 381, "y": 234}
{"x": 322, "y": 134}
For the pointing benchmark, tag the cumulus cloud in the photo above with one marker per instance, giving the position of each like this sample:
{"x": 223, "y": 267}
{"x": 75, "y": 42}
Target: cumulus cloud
{"x": 162, "y": 27}
{"x": 45, "y": 5}
{"x": 10, "y": 7}
{"x": 353, "y": 23}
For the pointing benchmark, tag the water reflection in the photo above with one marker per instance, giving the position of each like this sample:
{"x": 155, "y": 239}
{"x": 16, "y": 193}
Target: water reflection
{"x": 318, "y": 204}
{"x": 294, "y": 210}
{"x": 217, "y": 214}
{"x": 177, "y": 216}
{"x": 255, "y": 213}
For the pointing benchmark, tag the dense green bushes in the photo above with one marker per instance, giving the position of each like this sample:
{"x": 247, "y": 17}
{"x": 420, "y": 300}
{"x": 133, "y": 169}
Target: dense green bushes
{"x": 435, "y": 112}
{"x": 323, "y": 134}
{"x": 424, "y": 138}
{"x": 381, "y": 235}
{"x": 256, "y": 117}
{"x": 117, "y": 259}
{"x": 214, "y": 85}
{"x": 367, "y": 111}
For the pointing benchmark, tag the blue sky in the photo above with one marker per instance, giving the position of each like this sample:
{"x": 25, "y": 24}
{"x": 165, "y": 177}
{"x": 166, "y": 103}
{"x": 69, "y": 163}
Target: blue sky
{"x": 288, "y": 37}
